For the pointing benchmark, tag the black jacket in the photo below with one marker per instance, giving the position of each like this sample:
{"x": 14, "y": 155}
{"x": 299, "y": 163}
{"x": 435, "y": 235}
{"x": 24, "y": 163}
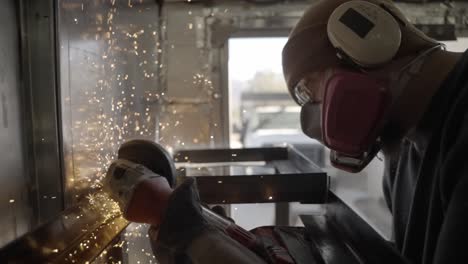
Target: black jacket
{"x": 426, "y": 180}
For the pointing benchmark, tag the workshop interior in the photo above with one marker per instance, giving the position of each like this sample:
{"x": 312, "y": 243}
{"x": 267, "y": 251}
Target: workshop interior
{"x": 203, "y": 79}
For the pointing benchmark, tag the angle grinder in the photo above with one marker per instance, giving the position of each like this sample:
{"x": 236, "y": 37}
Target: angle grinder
{"x": 141, "y": 181}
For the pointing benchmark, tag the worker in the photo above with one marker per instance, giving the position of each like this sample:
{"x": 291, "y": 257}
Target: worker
{"x": 369, "y": 81}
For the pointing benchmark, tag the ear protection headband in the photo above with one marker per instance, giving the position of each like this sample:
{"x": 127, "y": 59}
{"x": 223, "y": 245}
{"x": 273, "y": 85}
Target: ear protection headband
{"x": 365, "y": 35}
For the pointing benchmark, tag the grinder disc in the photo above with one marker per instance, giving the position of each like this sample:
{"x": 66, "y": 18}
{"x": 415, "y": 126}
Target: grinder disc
{"x": 151, "y": 155}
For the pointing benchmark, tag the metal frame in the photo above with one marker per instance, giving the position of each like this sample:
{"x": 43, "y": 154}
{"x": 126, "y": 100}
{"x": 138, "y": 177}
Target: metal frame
{"x": 294, "y": 187}
{"x": 38, "y": 48}
{"x": 231, "y": 155}
{"x": 295, "y": 178}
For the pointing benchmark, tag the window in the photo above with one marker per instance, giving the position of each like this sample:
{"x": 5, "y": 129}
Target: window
{"x": 262, "y": 112}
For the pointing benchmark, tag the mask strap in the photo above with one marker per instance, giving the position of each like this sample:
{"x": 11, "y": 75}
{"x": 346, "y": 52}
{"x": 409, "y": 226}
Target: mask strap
{"x": 401, "y": 78}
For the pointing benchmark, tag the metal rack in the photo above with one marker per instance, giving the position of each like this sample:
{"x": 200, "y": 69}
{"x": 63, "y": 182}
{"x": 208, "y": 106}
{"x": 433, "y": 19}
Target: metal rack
{"x": 230, "y": 175}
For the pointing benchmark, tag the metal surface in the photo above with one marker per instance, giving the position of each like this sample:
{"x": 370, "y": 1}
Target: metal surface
{"x": 15, "y": 205}
{"x": 341, "y": 236}
{"x": 332, "y": 249}
{"x": 193, "y": 95}
{"x": 358, "y": 233}
{"x": 77, "y": 235}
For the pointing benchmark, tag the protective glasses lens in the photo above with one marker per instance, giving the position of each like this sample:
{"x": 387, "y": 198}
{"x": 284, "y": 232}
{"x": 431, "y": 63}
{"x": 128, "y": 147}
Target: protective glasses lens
{"x": 301, "y": 94}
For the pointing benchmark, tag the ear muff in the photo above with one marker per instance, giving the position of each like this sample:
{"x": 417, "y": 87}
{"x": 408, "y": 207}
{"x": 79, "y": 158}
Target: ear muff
{"x": 365, "y": 32}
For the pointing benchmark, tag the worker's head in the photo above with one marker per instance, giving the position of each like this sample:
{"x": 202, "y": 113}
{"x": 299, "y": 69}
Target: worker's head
{"x": 345, "y": 63}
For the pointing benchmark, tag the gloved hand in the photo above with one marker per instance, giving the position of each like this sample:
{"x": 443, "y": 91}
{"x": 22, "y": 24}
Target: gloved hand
{"x": 183, "y": 219}
{"x": 142, "y": 194}
{"x": 181, "y": 224}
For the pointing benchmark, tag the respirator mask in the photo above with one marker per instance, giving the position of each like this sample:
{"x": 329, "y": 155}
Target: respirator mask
{"x": 355, "y": 107}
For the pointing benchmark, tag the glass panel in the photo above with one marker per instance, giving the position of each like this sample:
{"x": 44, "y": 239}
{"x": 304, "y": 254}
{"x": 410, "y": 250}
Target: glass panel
{"x": 109, "y": 61}
{"x": 110, "y": 64}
